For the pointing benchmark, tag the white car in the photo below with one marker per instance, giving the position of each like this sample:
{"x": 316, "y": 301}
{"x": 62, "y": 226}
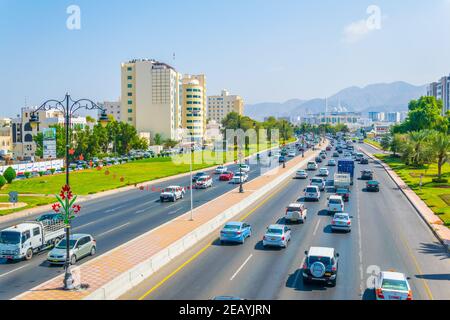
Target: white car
{"x": 319, "y": 182}
{"x": 172, "y": 193}
{"x": 323, "y": 172}
{"x": 277, "y": 235}
{"x": 332, "y": 163}
{"x": 312, "y": 193}
{"x": 291, "y": 154}
{"x": 312, "y": 165}
{"x": 221, "y": 169}
{"x": 296, "y": 212}
{"x": 335, "y": 204}
{"x": 245, "y": 168}
{"x": 341, "y": 222}
{"x": 392, "y": 286}
{"x": 237, "y": 178}
{"x": 301, "y": 174}
{"x": 203, "y": 182}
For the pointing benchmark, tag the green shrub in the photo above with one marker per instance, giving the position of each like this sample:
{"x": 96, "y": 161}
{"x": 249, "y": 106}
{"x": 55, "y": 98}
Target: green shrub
{"x": 52, "y": 170}
{"x": 2, "y": 181}
{"x": 27, "y": 174}
{"x": 442, "y": 180}
{"x": 9, "y": 174}
{"x": 41, "y": 173}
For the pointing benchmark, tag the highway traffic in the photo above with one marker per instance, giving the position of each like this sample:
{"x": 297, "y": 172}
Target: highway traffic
{"x": 387, "y": 235}
{"x": 112, "y": 221}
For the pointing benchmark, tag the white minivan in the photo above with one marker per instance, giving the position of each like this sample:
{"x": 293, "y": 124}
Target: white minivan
{"x": 335, "y": 204}
{"x": 312, "y": 193}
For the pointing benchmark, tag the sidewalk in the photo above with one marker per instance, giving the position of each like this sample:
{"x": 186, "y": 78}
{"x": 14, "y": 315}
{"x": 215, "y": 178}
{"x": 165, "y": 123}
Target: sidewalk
{"x": 113, "y": 264}
{"x": 433, "y": 221}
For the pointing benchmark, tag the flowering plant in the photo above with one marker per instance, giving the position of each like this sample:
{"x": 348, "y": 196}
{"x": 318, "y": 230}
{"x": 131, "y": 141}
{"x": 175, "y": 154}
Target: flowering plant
{"x": 66, "y": 206}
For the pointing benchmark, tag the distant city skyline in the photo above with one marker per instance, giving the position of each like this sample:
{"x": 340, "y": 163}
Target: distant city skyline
{"x": 261, "y": 50}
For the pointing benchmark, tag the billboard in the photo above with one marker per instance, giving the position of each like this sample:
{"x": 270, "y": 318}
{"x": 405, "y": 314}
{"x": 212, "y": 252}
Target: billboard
{"x": 49, "y": 143}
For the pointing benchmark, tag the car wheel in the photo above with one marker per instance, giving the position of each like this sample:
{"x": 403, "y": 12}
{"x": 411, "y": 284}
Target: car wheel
{"x": 29, "y": 254}
{"x": 73, "y": 259}
{"x": 93, "y": 251}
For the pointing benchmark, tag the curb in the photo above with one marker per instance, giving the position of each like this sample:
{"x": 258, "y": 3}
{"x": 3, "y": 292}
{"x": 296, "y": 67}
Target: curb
{"x": 444, "y": 242}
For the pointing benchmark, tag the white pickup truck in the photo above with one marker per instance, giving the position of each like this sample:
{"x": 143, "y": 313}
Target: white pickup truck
{"x": 342, "y": 181}
{"x": 25, "y": 239}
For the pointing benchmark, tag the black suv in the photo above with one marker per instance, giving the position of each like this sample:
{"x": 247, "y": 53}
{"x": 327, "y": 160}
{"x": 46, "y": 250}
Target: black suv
{"x": 366, "y": 175}
{"x": 321, "y": 264}
{"x": 364, "y": 161}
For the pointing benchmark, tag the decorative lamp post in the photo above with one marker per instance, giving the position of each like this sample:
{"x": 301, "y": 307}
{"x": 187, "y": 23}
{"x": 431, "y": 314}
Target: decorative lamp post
{"x": 66, "y": 200}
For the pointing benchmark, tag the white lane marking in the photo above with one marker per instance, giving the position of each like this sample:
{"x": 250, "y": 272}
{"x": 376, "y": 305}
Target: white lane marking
{"x": 140, "y": 211}
{"x": 240, "y": 268}
{"x": 9, "y": 272}
{"x": 87, "y": 224}
{"x": 175, "y": 211}
{"x": 317, "y": 227}
{"x": 113, "y": 229}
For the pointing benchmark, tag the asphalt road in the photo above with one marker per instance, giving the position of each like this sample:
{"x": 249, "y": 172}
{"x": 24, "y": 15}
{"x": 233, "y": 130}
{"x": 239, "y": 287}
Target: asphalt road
{"x": 387, "y": 233}
{"x": 112, "y": 221}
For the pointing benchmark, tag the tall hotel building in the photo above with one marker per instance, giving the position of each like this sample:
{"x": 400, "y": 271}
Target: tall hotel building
{"x": 220, "y": 106}
{"x": 194, "y": 106}
{"x": 150, "y": 97}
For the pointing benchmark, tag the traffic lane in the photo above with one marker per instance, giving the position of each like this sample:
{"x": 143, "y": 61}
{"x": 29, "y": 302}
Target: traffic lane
{"x": 428, "y": 264}
{"x": 249, "y": 271}
{"x": 116, "y": 232}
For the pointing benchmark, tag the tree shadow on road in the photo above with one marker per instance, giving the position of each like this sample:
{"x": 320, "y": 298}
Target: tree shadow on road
{"x": 441, "y": 276}
{"x": 369, "y": 294}
{"x": 436, "y": 249}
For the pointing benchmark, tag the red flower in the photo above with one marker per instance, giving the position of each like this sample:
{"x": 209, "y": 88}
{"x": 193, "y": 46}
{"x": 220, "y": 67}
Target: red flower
{"x": 56, "y": 207}
{"x": 66, "y": 193}
{"x": 76, "y": 208}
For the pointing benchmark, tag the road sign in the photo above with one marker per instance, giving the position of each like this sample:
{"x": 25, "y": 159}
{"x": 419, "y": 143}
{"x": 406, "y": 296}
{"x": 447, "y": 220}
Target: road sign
{"x": 13, "y": 197}
{"x": 49, "y": 143}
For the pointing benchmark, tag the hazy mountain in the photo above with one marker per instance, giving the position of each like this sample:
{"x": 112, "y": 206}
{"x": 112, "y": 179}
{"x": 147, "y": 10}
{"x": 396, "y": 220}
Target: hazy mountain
{"x": 376, "y": 97}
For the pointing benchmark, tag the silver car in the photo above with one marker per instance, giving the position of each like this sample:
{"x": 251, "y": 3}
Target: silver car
{"x": 277, "y": 235}
{"x": 81, "y": 245}
{"x": 341, "y": 222}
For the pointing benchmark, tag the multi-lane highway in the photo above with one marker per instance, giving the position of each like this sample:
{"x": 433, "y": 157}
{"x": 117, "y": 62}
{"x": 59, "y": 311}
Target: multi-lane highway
{"x": 387, "y": 234}
{"x": 112, "y": 220}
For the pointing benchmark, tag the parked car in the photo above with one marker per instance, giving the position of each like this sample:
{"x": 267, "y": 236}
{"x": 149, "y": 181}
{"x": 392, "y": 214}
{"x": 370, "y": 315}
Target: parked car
{"x": 235, "y": 232}
{"x": 301, "y": 174}
{"x": 392, "y": 286}
{"x": 81, "y": 245}
{"x": 312, "y": 193}
{"x": 366, "y": 175}
{"x": 172, "y": 193}
{"x": 344, "y": 193}
{"x": 319, "y": 182}
{"x": 296, "y": 212}
{"x": 373, "y": 186}
{"x": 226, "y": 176}
{"x": 341, "y": 222}
{"x": 203, "y": 182}
{"x": 335, "y": 204}
{"x": 277, "y": 235}
{"x": 323, "y": 172}
{"x": 312, "y": 165}
{"x": 321, "y": 264}
{"x": 221, "y": 169}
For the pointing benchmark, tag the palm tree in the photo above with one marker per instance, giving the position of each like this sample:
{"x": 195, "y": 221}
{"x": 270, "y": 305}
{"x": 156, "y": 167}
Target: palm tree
{"x": 418, "y": 150}
{"x": 440, "y": 143}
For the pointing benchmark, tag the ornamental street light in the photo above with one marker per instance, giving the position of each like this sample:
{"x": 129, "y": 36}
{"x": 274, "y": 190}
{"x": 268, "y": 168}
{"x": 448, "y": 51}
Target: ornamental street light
{"x": 68, "y": 107}
{"x": 241, "y": 187}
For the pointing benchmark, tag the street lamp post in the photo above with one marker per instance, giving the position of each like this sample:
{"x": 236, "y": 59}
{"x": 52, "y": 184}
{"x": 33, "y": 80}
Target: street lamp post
{"x": 284, "y": 142}
{"x": 190, "y": 169}
{"x": 68, "y": 107}
{"x": 241, "y": 187}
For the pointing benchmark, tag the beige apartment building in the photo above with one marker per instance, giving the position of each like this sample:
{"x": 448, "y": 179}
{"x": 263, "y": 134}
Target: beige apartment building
{"x": 220, "y": 106}
{"x": 150, "y": 97}
{"x": 194, "y": 106}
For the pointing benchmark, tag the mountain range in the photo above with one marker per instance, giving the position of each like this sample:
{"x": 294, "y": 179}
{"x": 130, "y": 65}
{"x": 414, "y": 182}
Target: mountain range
{"x": 383, "y": 97}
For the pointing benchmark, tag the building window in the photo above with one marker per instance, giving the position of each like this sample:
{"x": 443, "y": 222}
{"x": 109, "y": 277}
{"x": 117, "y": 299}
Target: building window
{"x": 130, "y": 77}
{"x": 130, "y": 85}
{"x": 130, "y": 110}
{"x": 130, "y": 101}
{"x": 28, "y": 138}
{"x": 129, "y": 68}
{"x": 27, "y": 127}
{"x": 130, "y": 94}
{"x": 130, "y": 119}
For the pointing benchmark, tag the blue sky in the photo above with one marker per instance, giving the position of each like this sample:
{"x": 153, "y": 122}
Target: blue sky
{"x": 264, "y": 50}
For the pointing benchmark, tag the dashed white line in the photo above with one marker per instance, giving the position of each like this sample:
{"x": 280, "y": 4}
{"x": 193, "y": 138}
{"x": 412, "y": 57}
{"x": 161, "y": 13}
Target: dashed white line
{"x": 113, "y": 229}
{"x": 240, "y": 268}
{"x": 317, "y": 227}
{"x": 9, "y": 272}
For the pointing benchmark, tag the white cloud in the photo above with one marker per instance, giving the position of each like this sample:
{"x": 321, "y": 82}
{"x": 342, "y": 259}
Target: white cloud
{"x": 356, "y": 31}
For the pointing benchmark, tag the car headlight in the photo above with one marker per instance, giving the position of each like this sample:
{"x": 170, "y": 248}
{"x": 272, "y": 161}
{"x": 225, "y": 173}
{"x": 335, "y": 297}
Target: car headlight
{"x": 16, "y": 251}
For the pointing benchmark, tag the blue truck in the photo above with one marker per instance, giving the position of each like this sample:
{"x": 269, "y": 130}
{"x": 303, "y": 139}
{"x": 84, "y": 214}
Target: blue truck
{"x": 347, "y": 166}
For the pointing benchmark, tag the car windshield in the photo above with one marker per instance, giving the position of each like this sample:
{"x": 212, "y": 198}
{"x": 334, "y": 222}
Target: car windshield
{"x": 169, "y": 190}
{"x": 274, "y": 231}
{"x": 341, "y": 191}
{"x": 9, "y": 237}
{"x": 335, "y": 201}
{"x": 294, "y": 209}
{"x": 226, "y": 172}
{"x": 317, "y": 180}
{"x": 324, "y": 260}
{"x": 311, "y": 190}
{"x": 341, "y": 217}
{"x": 231, "y": 227}
{"x": 390, "y": 284}
{"x": 62, "y": 244}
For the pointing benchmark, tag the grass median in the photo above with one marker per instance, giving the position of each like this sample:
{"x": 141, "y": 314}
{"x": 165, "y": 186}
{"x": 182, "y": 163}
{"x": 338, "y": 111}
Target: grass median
{"x": 373, "y": 143}
{"x": 435, "y": 195}
{"x": 92, "y": 181}
{"x": 31, "y": 202}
